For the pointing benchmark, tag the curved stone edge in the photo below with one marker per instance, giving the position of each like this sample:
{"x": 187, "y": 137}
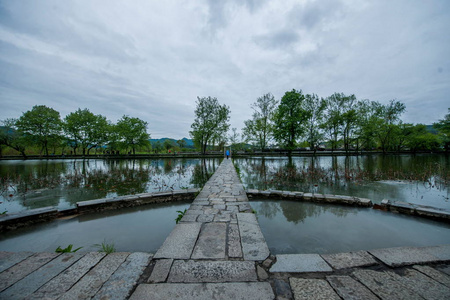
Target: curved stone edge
{"x": 439, "y": 214}
{"x": 321, "y": 198}
{"x": 29, "y": 217}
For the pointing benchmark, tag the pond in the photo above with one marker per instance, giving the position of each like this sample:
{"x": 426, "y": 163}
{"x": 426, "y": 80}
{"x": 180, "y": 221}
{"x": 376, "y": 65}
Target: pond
{"x": 141, "y": 228}
{"x": 291, "y": 227}
{"x": 29, "y": 184}
{"x": 421, "y": 179}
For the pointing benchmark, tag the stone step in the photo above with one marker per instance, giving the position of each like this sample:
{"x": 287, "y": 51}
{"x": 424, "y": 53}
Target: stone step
{"x": 254, "y": 245}
{"x": 180, "y": 242}
{"x": 205, "y": 291}
{"x": 212, "y": 271}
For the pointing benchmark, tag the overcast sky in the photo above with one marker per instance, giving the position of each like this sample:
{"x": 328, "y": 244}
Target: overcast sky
{"x": 151, "y": 59}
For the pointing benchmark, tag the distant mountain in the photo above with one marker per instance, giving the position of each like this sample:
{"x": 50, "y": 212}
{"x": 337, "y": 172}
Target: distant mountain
{"x": 189, "y": 142}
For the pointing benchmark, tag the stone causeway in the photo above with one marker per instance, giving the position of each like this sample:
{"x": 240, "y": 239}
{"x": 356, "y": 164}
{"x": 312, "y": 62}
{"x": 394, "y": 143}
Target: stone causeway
{"x": 217, "y": 251}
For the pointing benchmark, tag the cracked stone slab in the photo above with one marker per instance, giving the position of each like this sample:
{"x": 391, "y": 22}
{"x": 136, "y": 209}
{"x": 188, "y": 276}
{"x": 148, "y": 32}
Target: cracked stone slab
{"x": 300, "y": 263}
{"x": 120, "y": 284}
{"x": 312, "y": 289}
{"x": 38, "y": 278}
{"x": 212, "y": 271}
{"x": 422, "y": 285}
{"x": 211, "y": 241}
{"x": 89, "y": 285}
{"x": 349, "y": 259}
{"x": 205, "y": 291}
{"x": 160, "y": 271}
{"x": 384, "y": 285}
{"x": 180, "y": 242}
{"x": 205, "y": 218}
{"x": 435, "y": 274}
{"x": 25, "y": 267}
{"x": 254, "y": 245}
{"x": 350, "y": 289}
{"x": 234, "y": 242}
{"x": 56, "y": 287}
{"x": 402, "y": 256}
{"x": 9, "y": 259}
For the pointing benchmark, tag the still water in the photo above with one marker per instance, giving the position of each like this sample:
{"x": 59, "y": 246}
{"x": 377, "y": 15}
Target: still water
{"x": 300, "y": 227}
{"x": 141, "y": 228}
{"x": 421, "y": 179}
{"x": 28, "y": 184}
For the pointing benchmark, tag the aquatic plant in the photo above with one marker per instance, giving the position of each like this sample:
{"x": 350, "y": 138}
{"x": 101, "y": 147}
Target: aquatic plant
{"x": 180, "y": 215}
{"x": 68, "y": 249}
{"x": 105, "y": 247}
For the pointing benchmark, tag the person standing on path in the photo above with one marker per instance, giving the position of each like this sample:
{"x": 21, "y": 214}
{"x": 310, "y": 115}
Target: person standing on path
{"x": 228, "y": 154}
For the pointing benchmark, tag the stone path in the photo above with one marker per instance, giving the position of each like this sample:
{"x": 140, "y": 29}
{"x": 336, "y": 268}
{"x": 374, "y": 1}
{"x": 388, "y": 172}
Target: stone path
{"x": 217, "y": 251}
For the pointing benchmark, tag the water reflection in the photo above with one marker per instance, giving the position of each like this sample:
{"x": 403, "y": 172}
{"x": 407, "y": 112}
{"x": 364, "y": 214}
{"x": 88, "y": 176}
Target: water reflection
{"x": 300, "y": 227}
{"x": 421, "y": 179}
{"x": 130, "y": 229}
{"x": 63, "y": 183}
{"x": 299, "y": 213}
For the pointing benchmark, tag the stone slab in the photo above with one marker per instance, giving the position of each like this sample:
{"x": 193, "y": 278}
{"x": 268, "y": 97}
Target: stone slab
{"x": 312, "y": 289}
{"x": 384, "y": 285}
{"x": 212, "y": 271}
{"x": 25, "y": 267}
{"x": 9, "y": 259}
{"x": 300, "y": 263}
{"x": 38, "y": 278}
{"x": 89, "y": 285}
{"x": 442, "y": 253}
{"x": 435, "y": 274}
{"x": 64, "y": 281}
{"x": 254, "y": 245}
{"x": 205, "y": 291}
{"x": 350, "y": 289}
{"x": 402, "y": 256}
{"x": 422, "y": 285}
{"x": 234, "y": 242}
{"x": 122, "y": 282}
{"x": 205, "y": 218}
{"x": 211, "y": 242}
{"x": 349, "y": 260}
{"x": 180, "y": 242}
{"x": 160, "y": 271}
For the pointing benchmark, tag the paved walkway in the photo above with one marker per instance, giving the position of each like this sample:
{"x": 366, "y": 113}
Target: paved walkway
{"x": 217, "y": 251}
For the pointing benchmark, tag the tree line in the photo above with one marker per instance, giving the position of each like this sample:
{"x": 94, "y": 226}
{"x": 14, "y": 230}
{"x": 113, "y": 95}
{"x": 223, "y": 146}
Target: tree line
{"x": 305, "y": 120}
{"x": 80, "y": 131}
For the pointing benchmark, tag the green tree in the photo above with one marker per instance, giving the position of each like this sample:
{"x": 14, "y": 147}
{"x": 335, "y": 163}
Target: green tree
{"x": 132, "y": 132}
{"x": 421, "y": 139}
{"x": 289, "y": 119}
{"x": 10, "y": 137}
{"x": 211, "y": 122}
{"x": 85, "y": 130}
{"x": 315, "y": 108}
{"x": 259, "y": 129}
{"x": 41, "y": 125}
{"x": 168, "y": 144}
{"x": 333, "y": 120}
{"x": 181, "y": 143}
{"x": 443, "y": 128}
{"x": 385, "y": 120}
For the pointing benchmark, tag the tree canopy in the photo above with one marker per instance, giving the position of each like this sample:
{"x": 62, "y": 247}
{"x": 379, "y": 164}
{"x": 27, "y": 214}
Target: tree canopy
{"x": 211, "y": 122}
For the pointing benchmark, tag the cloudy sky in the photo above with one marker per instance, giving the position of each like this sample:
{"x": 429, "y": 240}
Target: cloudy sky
{"x": 151, "y": 59}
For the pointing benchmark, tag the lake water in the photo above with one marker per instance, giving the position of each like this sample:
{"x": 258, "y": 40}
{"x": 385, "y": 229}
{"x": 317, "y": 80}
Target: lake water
{"x": 28, "y": 184}
{"x": 291, "y": 227}
{"x": 141, "y": 228}
{"x": 421, "y": 179}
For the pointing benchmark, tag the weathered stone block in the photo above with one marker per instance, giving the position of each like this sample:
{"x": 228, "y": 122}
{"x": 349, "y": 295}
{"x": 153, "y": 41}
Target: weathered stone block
{"x": 300, "y": 263}
{"x": 212, "y": 271}
{"x": 312, "y": 289}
